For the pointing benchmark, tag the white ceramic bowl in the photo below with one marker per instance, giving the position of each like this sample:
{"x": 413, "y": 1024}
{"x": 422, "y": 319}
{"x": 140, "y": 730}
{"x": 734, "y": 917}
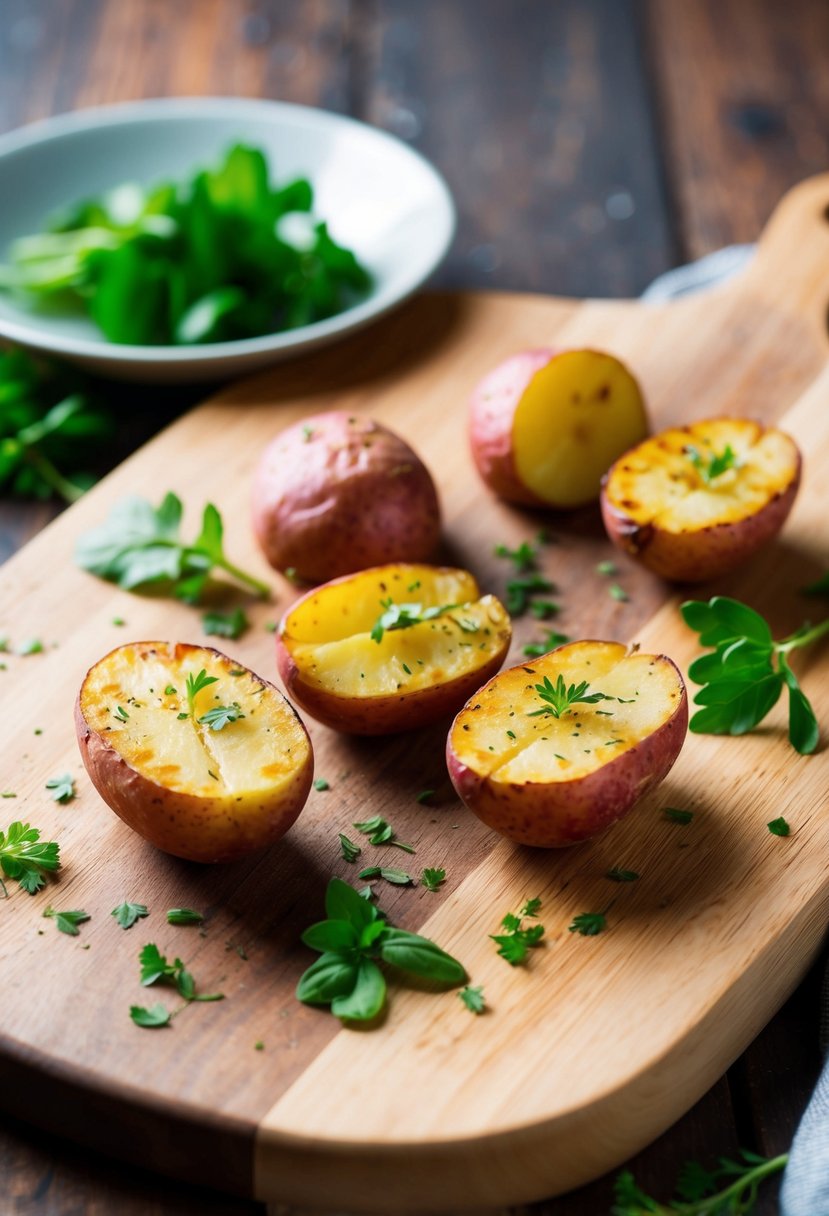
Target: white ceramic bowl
{"x": 379, "y": 197}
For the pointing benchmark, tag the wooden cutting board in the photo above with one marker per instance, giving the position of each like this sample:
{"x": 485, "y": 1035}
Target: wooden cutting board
{"x": 598, "y": 1044}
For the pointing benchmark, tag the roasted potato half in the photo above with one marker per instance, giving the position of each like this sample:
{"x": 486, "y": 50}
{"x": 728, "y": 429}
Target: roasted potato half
{"x": 693, "y": 502}
{"x": 555, "y": 751}
{"x": 208, "y": 775}
{"x": 392, "y": 648}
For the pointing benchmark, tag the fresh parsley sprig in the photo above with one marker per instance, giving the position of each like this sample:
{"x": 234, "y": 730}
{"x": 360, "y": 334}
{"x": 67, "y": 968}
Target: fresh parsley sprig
{"x": 514, "y": 944}
{"x": 23, "y": 856}
{"x": 221, "y": 716}
{"x": 744, "y": 676}
{"x": 559, "y": 697}
{"x": 156, "y": 967}
{"x": 712, "y": 466}
{"x": 696, "y": 1189}
{"x": 403, "y": 616}
{"x": 140, "y": 545}
{"x": 353, "y": 939}
{"x": 194, "y": 686}
{"x": 68, "y": 921}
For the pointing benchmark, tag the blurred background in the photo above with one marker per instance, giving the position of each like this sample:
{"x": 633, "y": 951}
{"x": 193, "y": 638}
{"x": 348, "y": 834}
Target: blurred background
{"x": 590, "y": 145}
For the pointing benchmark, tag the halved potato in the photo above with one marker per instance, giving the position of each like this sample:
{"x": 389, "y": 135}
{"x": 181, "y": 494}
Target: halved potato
{"x": 545, "y": 426}
{"x": 195, "y": 791}
{"x": 402, "y": 677}
{"x": 695, "y": 501}
{"x": 550, "y": 781}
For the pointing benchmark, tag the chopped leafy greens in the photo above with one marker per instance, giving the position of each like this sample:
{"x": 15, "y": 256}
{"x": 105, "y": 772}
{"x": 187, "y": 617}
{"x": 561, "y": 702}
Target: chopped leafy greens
{"x": 349, "y": 850}
{"x": 352, "y": 940}
{"x": 140, "y": 545}
{"x": 219, "y": 255}
{"x": 432, "y": 879}
{"x": 744, "y": 676}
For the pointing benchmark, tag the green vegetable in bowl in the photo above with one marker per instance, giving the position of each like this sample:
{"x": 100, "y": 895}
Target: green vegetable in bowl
{"x": 220, "y": 256}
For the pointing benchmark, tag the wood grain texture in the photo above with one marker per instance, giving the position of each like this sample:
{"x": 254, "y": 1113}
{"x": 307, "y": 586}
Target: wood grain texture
{"x": 744, "y": 348}
{"x": 741, "y": 96}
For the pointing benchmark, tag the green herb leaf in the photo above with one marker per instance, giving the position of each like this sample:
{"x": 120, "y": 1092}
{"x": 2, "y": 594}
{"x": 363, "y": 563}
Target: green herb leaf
{"x": 350, "y": 850}
{"x": 404, "y": 616}
{"x": 515, "y": 944}
{"x": 696, "y": 1188}
{"x": 521, "y": 591}
{"x": 617, "y": 875}
{"x": 607, "y": 568}
{"x": 331, "y": 976}
{"x": 366, "y": 999}
{"x": 195, "y": 684}
{"x": 419, "y": 956}
{"x": 184, "y": 916}
{"x": 473, "y": 999}
{"x": 779, "y": 827}
{"x": 525, "y": 557}
{"x": 67, "y": 922}
{"x": 379, "y": 831}
{"x": 221, "y": 716}
{"x": 534, "y": 650}
{"x": 558, "y": 698}
{"x": 677, "y": 815}
{"x": 63, "y": 788}
{"x": 618, "y": 593}
{"x": 432, "y": 879}
{"x": 127, "y": 914}
{"x": 150, "y": 1019}
{"x": 321, "y": 784}
{"x": 225, "y": 624}
{"x": 24, "y": 857}
{"x": 139, "y": 545}
{"x": 713, "y": 465}
{"x": 399, "y": 878}
{"x": 588, "y": 924}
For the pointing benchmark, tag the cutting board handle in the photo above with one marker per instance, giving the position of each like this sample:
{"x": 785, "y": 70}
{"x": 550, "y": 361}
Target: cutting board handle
{"x": 791, "y": 268}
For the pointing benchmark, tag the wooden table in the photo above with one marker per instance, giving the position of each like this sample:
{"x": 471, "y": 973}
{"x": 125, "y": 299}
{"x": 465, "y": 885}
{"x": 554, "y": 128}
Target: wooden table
{"x": 590, "y": 144}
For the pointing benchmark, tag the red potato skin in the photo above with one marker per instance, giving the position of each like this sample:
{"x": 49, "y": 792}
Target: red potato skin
{"x": 385, "y": 715}
{"x": 491, "y": 410}
{"x": 704, "y": 553}
{"x": 563, "y": 813}
{"x": 354, "y": 495}
{"x": 186, "y": 825}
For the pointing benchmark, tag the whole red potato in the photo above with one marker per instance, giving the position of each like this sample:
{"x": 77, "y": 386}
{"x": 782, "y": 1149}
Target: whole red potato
{"x": 336, "y": 493}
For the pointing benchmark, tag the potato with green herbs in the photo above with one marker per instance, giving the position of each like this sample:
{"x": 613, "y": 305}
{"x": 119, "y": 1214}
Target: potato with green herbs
{"x": 197, "y": 754}
{"x": 555, "y": 751}
{"x": 694, "y": 501}
{"x": 392, "y": 648}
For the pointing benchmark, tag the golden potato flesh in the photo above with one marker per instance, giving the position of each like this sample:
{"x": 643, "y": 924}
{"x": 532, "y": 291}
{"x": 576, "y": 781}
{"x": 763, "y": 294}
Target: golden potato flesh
{"x": 355, "y": 677}
{"x": 694, "y": 501}
{"x": 548, "y": 780}
{"x": 201, "y": 784}
{"x": 546, "y": 425}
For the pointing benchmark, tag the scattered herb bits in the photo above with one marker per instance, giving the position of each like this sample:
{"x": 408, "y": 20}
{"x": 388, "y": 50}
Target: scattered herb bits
{"x": 473, "y": 998}
{"x": 67, "y": 922}
{"x": 184, "y": 916}
{"x": 516, "y": 941}
{"x": 225, "y": 624}
{"x": 126, "y": 914}
{"x": 399, "y": 878}
{"x": 433, "y": 878}
{"x": 150, "y": 1019}
{"x": 779, "y": 827}
{"x": 379, "y": 831}
{"x": 63, "y": 788}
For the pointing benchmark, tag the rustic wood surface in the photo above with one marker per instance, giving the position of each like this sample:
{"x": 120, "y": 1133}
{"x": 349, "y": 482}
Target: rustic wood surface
{"x": 588, "y": 148}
